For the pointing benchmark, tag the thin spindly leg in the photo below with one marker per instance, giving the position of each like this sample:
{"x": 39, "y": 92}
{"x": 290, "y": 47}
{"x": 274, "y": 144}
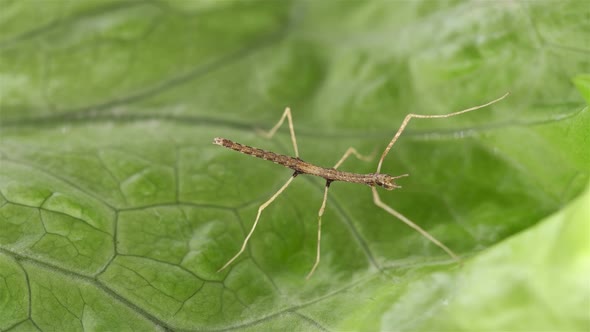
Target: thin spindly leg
{"x": 346, "y": 154}
{"x": 353, "y": 151}
{"x": 418, "y": 116}
{"x": 410, "y": 223}
{"x": 320, "y": 214}
{"x": 260, "y": 209}
{"x": 270, "y": 133}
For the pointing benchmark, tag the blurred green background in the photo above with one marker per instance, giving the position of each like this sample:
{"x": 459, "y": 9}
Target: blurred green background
{"x": 116, "y": 210}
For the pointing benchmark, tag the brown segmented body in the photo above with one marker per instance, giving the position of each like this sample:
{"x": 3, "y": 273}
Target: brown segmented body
{"x": 298, "y": 165}
{"x": 332, "y": 174}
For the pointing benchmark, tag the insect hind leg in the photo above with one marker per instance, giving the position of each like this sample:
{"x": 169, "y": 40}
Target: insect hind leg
{"x": 269, "y": 134}
{"x": 260, "y": 209}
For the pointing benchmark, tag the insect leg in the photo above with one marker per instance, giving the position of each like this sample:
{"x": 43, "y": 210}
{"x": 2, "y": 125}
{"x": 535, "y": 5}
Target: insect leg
{"x": 347, "y": 154}
{"x": 419, "y": 116}
{"x": 353, "y": 151}
{"x": 410, "y": 223}
{"x": 260, "y": 209}
{"x": 320, "y": 213}
{"x": 270, "y": 133}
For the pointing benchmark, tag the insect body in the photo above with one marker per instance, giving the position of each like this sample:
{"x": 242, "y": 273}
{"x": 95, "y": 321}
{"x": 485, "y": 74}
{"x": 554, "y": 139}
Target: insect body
{"x": 373, "y": 180}
{"x": 302, "y": 167}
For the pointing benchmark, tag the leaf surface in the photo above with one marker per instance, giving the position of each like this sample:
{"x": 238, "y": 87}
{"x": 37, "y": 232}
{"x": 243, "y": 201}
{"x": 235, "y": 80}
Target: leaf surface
{"x": 116, "y": 211}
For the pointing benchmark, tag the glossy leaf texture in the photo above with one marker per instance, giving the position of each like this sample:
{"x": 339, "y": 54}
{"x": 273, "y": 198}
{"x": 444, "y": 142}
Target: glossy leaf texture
{"x": 116, "y": 211}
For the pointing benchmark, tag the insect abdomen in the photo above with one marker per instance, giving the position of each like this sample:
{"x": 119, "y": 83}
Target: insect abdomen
{"x": 258, "y": 153}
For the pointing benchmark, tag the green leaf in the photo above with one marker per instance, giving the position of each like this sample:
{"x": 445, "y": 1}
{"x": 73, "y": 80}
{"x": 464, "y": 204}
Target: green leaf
{"x": 582, "y": 82}
{"x": 116, "y": 211}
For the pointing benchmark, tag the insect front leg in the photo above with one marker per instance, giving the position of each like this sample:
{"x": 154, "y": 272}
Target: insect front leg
{"x": 420, "y": 116}
{"x": 393, "y": 212}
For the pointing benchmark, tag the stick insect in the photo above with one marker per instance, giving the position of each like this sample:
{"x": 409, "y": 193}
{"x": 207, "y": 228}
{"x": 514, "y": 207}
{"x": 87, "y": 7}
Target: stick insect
{"x": 333, "y": 174}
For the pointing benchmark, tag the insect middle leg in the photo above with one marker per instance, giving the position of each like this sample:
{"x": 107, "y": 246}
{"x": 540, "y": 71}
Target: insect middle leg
{"x": 353, "y": 151}
{"x": 349, "y": 151}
